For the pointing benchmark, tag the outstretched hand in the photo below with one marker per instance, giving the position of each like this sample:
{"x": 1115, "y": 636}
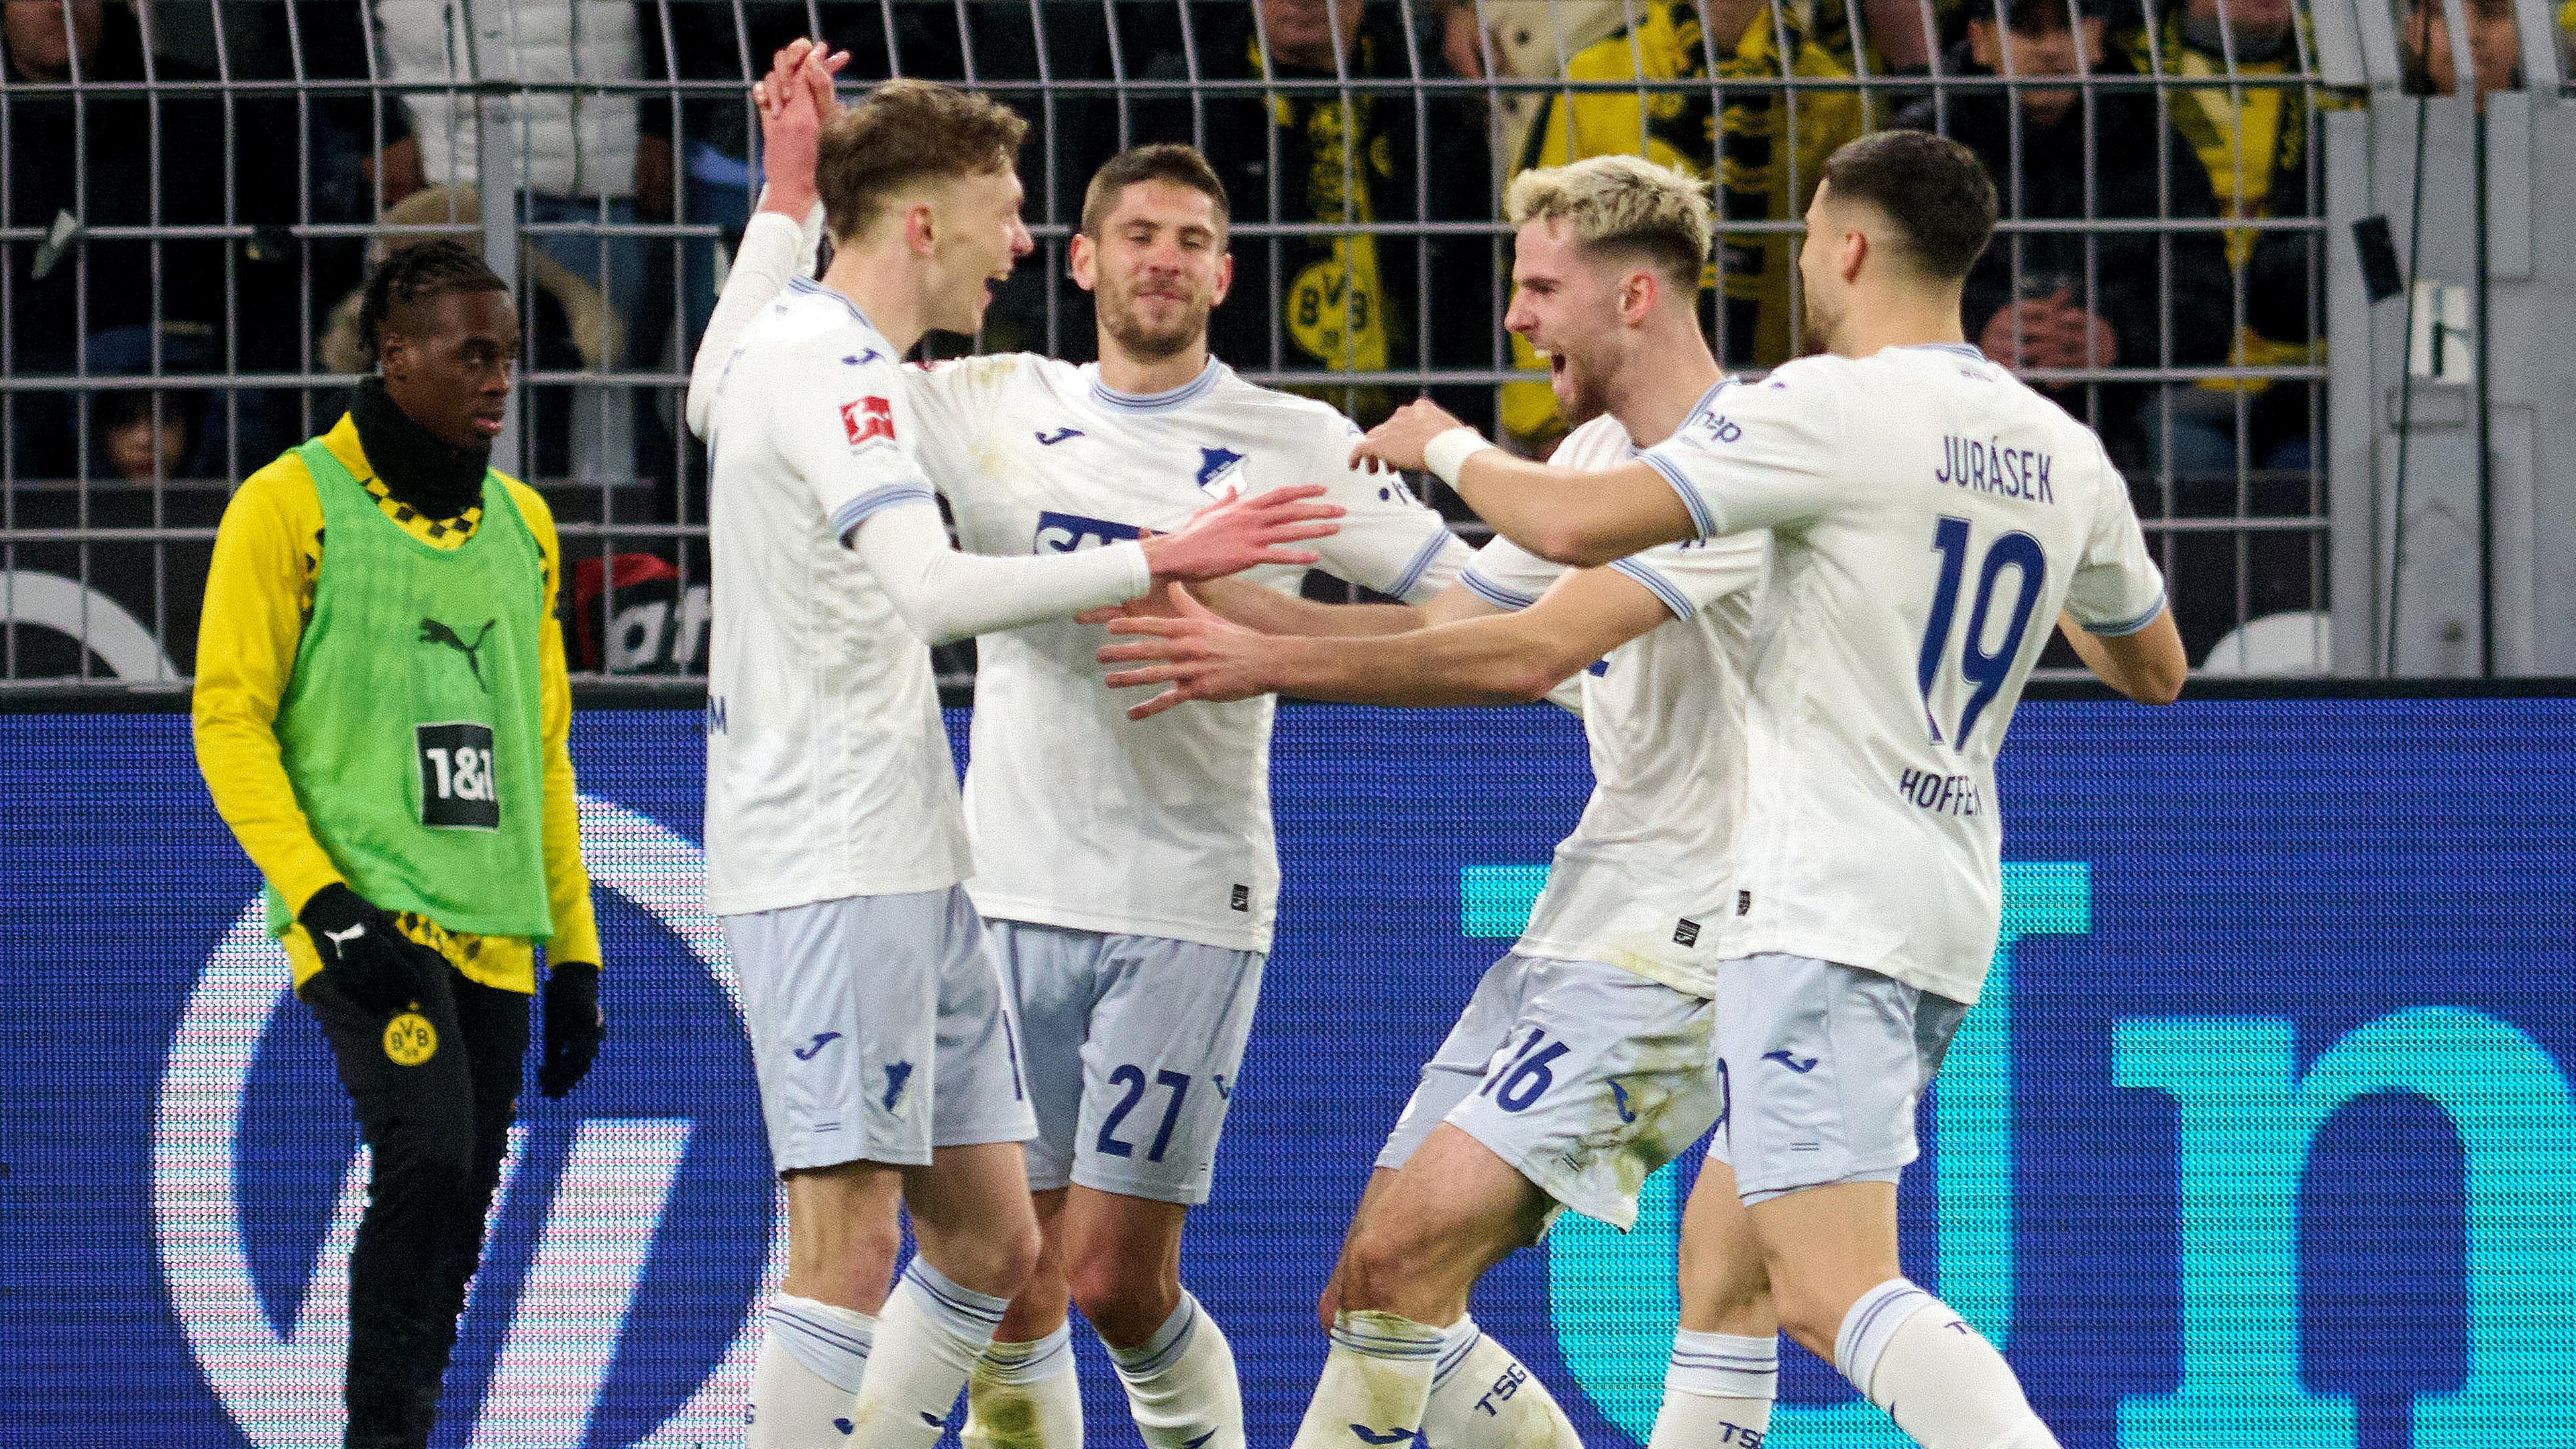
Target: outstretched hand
{"x": 1202, "y": 656}
{"x": 1239, "y": 532}
{"x": 1398, "y": 442}
{"x": 794, "y": 100}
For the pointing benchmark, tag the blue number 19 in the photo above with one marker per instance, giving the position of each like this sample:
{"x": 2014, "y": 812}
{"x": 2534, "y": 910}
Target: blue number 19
{"x": 2017, "y": 551}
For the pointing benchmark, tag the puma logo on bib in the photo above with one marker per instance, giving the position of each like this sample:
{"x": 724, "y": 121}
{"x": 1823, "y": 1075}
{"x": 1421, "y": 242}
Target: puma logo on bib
{"x": 434, "y": 632}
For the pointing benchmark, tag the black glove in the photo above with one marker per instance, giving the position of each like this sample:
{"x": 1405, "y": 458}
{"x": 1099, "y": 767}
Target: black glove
{"x": 573, "y": 1026}
{"x": 361, "y": 950}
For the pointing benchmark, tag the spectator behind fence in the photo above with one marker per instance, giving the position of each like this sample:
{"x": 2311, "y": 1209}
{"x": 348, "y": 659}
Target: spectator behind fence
{"x": 278, "y": 184}
{"x": 1897, "y": 37}
{"x": 2253, "y": 141}
{"x": 76, "y": 165}
{"x": 2495, "y": 47}
{"x": 154, "y": 434}
{"x": 582, "y": 157}
{"x": 1348, "y": 301}
{"x": 122, "y": 603}
{"x": 2067, "y": 299}
{"x": 1765, "y": 170}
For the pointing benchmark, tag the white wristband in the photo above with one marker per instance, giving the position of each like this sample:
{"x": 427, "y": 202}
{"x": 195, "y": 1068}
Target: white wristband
{"x": 1447, "y": 453}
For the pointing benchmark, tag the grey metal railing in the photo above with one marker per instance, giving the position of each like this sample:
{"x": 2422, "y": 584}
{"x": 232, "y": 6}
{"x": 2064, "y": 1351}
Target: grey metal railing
{"x": 189, "y": 192}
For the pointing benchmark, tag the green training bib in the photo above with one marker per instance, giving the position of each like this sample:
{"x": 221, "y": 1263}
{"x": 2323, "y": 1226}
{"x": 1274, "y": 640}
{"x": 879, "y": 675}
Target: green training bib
{"x": 411, "y": 725}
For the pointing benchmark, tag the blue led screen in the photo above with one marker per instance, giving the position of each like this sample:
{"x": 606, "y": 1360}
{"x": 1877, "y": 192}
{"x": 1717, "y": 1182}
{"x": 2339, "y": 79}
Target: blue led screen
{"x": 2264, "y": 1134}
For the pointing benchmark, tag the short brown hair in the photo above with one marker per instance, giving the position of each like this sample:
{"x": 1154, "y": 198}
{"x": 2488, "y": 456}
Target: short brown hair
{"x": 1622, "y": 204}
{"x": 907, "y": 131}
{"x": 1163, "y": 161}
{"x": 1935, "y": 190}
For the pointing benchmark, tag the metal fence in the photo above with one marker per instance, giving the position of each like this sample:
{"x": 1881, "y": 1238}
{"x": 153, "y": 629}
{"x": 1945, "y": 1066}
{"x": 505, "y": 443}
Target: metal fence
{"x": 191, "y": 190}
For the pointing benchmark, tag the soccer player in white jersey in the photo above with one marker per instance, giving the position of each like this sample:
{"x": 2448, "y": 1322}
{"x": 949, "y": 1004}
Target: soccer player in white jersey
{"x": 836, "y": 844}
{"x": 1930, "y": 516}
{"x": 1129, "y": 873}
{"x": 1582, "y": 1063}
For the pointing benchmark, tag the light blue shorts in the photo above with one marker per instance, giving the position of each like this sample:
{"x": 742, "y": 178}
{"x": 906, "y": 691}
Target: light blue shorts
{"x": 879, "y": 1029}
{"x": 1132, "y": 1044}
{"x": 1584, "y": 1077}
{"x": 1822, "y": 1067}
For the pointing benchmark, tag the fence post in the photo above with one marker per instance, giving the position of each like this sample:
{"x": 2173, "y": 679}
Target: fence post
{"x": 498, "y": 178}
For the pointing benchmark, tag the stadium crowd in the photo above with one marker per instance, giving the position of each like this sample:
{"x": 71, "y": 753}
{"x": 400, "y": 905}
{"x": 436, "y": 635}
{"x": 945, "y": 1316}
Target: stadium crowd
{"x": 182, "y": 253}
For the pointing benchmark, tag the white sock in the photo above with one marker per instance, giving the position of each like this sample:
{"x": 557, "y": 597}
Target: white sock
{"x": 1482, "y": 1395}
{"x": 1376, "y": 1383}
{"x": 1181, "y": 1384}
{"x": 1938, "y": 1378}
{"x": 806, "y": 1379}
{"x": 931, "y": 1335}
{"x": 1025, "y": 1396}
{"x": 1717, "y": 1392}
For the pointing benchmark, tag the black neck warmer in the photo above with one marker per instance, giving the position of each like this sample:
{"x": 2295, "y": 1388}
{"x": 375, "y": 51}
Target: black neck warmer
{"x": 436, "y": 477}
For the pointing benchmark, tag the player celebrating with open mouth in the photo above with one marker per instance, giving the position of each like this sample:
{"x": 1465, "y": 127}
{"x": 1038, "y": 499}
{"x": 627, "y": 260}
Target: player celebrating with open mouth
{"x": 1581, "y": 1063}
{"x": 1130, "y": 873}
{"x": 882, "y": 1037}
{"x": 1929, "y": 515}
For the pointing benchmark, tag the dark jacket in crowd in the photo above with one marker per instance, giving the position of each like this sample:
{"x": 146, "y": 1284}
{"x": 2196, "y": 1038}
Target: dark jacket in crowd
{"x": 2121, "y": 278}
{"x": 98, "y": 163}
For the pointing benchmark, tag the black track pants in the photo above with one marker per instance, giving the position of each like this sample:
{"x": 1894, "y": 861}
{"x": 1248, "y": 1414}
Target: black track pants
{"x": 436, "y": 1127}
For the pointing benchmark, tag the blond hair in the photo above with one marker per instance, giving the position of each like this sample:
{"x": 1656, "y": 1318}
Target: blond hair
{"x": 1625, "y": 204}
{"x": 904, "y": 132}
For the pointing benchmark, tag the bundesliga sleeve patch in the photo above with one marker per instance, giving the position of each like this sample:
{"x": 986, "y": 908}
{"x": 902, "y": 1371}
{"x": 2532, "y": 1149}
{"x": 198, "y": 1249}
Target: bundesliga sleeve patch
{"x": 868, "y": 421}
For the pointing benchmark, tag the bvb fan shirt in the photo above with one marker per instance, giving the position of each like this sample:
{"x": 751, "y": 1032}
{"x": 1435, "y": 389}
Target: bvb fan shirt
{"x": 1082, "y": 817}
{"x": 1644, "y": 881}
{"x": 1930, "y": 518}
{"x": 828, "y": 771}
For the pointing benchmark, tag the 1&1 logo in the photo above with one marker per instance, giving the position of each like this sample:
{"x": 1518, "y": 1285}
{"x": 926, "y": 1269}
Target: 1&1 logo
{"x": 616, "y": 1300}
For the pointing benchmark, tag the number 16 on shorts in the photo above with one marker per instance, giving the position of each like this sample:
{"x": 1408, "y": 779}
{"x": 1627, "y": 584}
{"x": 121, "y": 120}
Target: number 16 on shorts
{"x": 1519, "y": 1085}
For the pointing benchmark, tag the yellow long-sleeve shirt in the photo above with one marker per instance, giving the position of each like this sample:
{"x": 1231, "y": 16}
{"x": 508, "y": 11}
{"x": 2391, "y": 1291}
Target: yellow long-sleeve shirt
{"x": 259, "y": 594}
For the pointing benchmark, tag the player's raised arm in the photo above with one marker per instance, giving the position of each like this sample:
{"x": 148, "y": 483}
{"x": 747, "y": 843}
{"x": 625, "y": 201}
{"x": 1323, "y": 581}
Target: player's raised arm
{"x": 782, "y": 238}
{"x": 1504, "y": 658}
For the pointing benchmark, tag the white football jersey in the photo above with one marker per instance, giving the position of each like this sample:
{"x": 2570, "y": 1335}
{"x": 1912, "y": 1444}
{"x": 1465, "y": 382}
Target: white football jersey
{"x": 1644, "y": 880}
{"x": 1930, "y": 517}
{"x": 828, "y": 771}
{"x": 1081, "y": 817}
